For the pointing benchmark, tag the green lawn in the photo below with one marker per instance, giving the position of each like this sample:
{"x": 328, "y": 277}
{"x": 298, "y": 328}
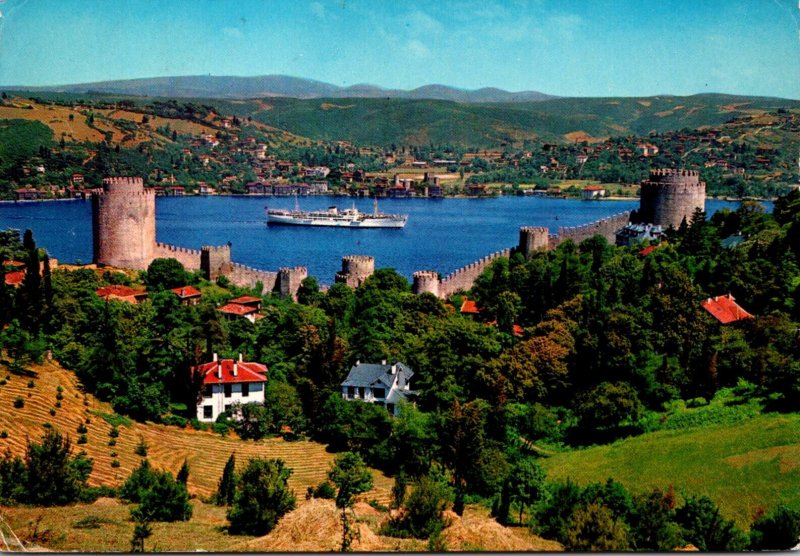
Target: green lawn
{"x": 744, "y": 466}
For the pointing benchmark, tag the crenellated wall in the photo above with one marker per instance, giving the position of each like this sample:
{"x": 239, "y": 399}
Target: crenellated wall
{"x": 189, "y": 258}
{"x": 606, "y": 227}
{"x": 464, "y": 278}
{"x": 248, "y": 277}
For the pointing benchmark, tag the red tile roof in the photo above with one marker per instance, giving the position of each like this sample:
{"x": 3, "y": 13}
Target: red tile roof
{"x": 245, "y": 300}
{"x": 14, "y": 278}
{"x": 121, "y": 292}
{"x": 247, "y": 371}
{"x": 236, "y": 309}
{"x": 469, "y": 307}
{"x": 15, "y": 264}
{"x": 594, "y": 188}
{"x": 517, "y": 330}
{"x": 725, "y": 309}
{"x": 186, "y": 291}
{"x": 647, "y": 250}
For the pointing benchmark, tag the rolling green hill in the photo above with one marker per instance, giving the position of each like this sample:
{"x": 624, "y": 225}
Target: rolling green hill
{"x": 420, "y": 122}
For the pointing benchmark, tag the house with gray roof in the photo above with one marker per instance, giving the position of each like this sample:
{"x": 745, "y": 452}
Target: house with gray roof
{"x": 383, "y": 384}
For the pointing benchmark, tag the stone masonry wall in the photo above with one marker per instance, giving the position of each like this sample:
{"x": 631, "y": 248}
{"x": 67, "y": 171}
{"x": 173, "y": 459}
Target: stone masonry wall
{"x": 124, "y": 223}
{"x": 605, "y": 227}
{"x": 189, "y": 258}
{"x": 464, "y": 278}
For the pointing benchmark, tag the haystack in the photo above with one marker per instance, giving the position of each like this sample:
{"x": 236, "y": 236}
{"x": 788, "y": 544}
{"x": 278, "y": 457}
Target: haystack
{"x": 313, "y": 527}
{"x": 474, "y": 532}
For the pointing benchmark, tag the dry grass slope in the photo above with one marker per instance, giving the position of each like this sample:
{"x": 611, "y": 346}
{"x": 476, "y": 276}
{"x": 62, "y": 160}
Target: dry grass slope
{"x": 206, "y": 452}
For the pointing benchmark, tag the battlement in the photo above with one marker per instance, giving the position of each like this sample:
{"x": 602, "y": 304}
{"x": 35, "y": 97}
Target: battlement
{"x": 532, "y": 239}
{"x": 359, "y": 259}
{"x": 123, "y": 183}
{"x": 661, "y": 172}
{"x": 606, "y": 227}
{"x": 189, "y": 258}
{"x": 426, "y": 275}
{"x": 464, "y": 278}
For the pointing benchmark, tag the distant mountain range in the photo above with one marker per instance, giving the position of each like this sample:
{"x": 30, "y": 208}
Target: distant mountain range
{"x": 232, "y": 87}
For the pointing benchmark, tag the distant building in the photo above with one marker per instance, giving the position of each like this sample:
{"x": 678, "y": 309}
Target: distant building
{"x": 725, "y": 309}
{"x": 26, "y": 194}
{"x": 469, "y": 307}
{"x": 236, "y": 311}
{"x": 226, "y": 382}
{"x": 593, "y": 192}
{"x": 382, "y": 384}
{"x": 14, "y": 278}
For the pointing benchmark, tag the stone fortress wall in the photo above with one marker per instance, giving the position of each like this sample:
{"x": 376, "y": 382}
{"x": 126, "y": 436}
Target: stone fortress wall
{"x": 124, "y": 234}
{"x": 123, "y": 218}
{"x": 669, "y": 196}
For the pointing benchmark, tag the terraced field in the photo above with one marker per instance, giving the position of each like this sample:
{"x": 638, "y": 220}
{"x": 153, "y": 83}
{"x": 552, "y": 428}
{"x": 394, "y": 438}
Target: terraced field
{"x": 206, "y": 452}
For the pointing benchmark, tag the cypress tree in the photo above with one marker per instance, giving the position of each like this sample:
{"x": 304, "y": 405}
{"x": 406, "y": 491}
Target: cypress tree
{"x": 227, "y": 483}
{"x": 183, "y": 474}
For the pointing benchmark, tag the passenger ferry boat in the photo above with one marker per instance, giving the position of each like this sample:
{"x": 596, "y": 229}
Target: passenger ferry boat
{"x": 347, "y": 218}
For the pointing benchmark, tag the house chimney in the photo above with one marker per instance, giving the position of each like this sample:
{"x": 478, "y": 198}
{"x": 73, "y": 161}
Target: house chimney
{"x": 394, "y": 368}
{"x": 358, "y": 362}
{"x": 235, "y": 368}
{"x": 383, "y": 361}
{"x": 219, "y": 369}
{"x": 215, "y": 357}
{"x": 240, "y": 358}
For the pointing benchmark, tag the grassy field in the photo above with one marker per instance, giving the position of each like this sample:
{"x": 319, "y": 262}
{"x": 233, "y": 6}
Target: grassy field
{"x": 206, "y": 452}
{"x": 742, "y": 467}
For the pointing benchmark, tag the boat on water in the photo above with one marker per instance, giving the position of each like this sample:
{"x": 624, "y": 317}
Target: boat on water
{"x": 334, "y": 217}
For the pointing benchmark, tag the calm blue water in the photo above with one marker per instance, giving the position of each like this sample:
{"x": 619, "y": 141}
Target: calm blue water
{"x": 440, "y": 235}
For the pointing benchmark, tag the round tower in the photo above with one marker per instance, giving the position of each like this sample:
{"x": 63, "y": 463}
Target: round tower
{"x": 669, "y": 196}
{"x": 426, "y": 281}
{"x": 532, "y": 239}
{"x": 124, "y": 223}
{"x": 355, "y": 269}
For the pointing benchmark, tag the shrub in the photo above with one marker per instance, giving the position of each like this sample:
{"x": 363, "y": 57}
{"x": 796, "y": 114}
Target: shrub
{"x": 113, "y": 454}
{"x": 262, "y": 497}
{"x": 141, "y": 447}
{"x": 54, "y": 476}
{"x": 423, "y": 515}
{"x": 3, "y": 434}
{"x": 221, "y": 429}
{"x": 115, "y": 463}
{"x": 52, "y": 411}
{"x": 91, "y": 522}
{"x": 82, "y": 429}
{"x": 31, "y": 384}
{"x": 83, "y": 439}
{"x": 59, "y": 389}
{"x": 47, "y": 425}
{"x": 114, "y": 432}
{"x": 59, "y": 396}
{"x": 140, "y": 479}
{"x": 165, "y": 500}
{"x": 226, "y": 488}
{"x": 57, "y": 404}
{"x": 324, "y": 490}
{"x": 112, "y": 442}
{"x": 19, "y": 403}
{"x": 175, "y": 420}
{"x": 3, "y": 382}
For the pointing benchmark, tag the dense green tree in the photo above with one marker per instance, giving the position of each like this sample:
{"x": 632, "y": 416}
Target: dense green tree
{"x": 183, "y": 473}
{"x": 165, "y": 499}
{"x": 262, "y": 497}
{"x": 423, "y": 515}
{"x": 704, "y": 526}
{"x": 226, "y": 488}
{"x": 779, "y": 530}
{"x": 527, "y": 484}
{"x": 54, "y": 476}
{"x": 594, "y": 529}
{"x": 652, "y": 522}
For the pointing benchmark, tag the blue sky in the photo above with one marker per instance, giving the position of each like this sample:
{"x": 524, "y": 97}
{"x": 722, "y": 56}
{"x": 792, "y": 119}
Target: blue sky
{"x": 570, "y": 48}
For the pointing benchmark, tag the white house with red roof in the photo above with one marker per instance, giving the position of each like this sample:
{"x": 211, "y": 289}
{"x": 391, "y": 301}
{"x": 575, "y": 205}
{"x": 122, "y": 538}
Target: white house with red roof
{"x": 227, "y": 382}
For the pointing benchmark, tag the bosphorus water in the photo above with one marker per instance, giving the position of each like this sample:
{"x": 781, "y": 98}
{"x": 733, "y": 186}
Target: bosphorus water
{"x": 441, "y": 235}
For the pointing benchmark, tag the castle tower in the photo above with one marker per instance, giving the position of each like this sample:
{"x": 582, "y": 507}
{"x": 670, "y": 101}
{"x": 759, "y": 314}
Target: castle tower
{"x": 215, "y": 261}
{"x": 669, "y": 196}
{"x": 289, "y": 280}
{"x": 355, "y": 269}
{"x": 532, "y": 239}
{"x": 426, "y": 281}
{"x": 124, "y": 223}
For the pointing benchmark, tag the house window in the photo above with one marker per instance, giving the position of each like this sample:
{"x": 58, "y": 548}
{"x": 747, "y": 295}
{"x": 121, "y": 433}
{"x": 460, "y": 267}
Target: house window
{"x": 207, "y": 390}
{"x": 361, "y": 392}
{"x": 351, "y": 392}
{"x": 245, "y": 390}
{"x": 228, "y": 409}
{"x": 228, "y": 390}
{"x": 379, "y": 392}
{"x": 208, "y": 412}
{"x": 390, "y": 408}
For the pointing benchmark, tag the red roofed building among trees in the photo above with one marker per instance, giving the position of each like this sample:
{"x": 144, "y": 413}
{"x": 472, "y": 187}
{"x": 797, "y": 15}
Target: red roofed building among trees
{"x": 229, "y": 381}
{"x": 189, "y": 295}
{"x": 234, "y": 311}
{"x": 14, "y": 278}
{"x": 122, "y": 293}
{"x": 725, "y": 309}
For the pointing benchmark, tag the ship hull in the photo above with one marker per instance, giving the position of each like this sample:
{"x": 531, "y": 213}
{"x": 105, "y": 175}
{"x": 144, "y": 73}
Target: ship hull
{"x": 288, "y": 220}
